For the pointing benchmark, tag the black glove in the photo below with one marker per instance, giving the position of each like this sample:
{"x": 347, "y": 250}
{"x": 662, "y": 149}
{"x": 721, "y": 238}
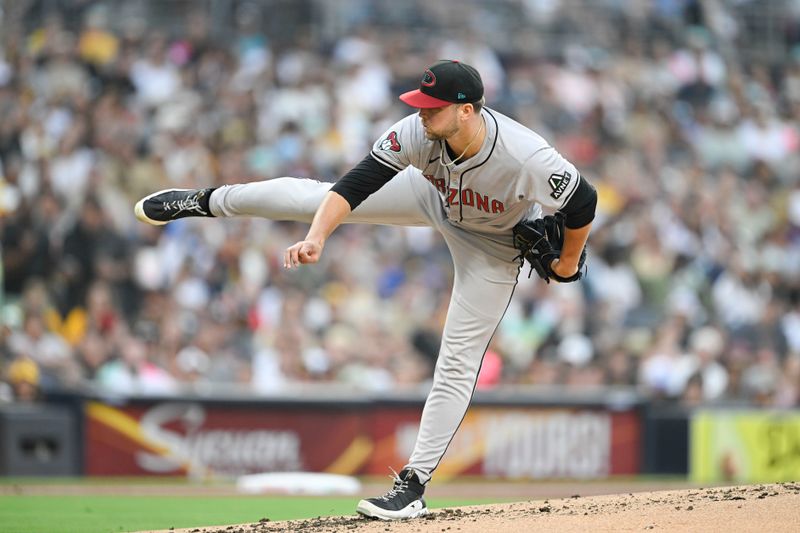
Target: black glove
{"x": 540, "y": 242}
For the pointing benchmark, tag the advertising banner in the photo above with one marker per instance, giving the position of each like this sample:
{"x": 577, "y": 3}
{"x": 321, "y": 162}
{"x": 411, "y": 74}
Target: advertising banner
{"x": 204, "y": 440}
{"x": 530, "y": 443}
{"x": 745, "y": 446}
{"x": 195, "y": 439}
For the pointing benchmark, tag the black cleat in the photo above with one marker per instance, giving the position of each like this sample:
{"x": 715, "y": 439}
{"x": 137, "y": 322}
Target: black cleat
{"x": 403, "y": 501}
{"x": 171, "y": 204}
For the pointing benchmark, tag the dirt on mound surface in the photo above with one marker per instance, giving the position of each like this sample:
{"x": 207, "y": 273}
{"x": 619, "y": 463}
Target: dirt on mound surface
{"x": 773, "y": 507}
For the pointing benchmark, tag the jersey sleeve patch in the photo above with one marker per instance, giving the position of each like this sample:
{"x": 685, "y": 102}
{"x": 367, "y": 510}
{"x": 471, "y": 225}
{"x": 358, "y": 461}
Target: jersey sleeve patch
{"x": 390, "y": 143}
{"x": 559, "y": 183}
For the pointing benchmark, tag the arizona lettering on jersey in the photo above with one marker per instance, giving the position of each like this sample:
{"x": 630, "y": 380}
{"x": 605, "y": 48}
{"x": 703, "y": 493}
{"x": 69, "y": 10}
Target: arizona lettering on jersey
{"x": 468, "y": 197}
{"x": 515, "y": 174}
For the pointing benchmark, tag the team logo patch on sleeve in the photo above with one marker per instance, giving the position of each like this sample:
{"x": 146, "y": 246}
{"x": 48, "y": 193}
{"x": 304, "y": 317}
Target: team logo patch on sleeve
{"x": 559, "y": 182}
{"x": 390, "y": 143}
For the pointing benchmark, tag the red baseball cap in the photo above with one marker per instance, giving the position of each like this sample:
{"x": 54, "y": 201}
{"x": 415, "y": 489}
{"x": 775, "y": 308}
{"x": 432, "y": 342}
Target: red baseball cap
{"x": 446, "y": 82}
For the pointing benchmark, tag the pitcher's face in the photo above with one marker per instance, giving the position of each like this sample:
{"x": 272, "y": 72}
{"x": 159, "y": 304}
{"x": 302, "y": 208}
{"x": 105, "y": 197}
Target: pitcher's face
{"x": 440, "y": 123}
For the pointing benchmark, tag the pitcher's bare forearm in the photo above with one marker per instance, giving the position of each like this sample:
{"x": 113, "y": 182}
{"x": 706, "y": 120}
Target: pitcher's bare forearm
{"x": 330, "y": 214}
{"x": 574, "y": 241}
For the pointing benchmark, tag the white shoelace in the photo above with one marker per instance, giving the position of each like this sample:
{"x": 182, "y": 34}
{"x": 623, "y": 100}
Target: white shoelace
{"x": 189, "y": 204}
{"x": 400, "y": 486}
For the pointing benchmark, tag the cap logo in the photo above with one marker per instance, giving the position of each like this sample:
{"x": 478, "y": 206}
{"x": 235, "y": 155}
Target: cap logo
{"x": 461, "y": 96}
{"x": 428, "y": 79}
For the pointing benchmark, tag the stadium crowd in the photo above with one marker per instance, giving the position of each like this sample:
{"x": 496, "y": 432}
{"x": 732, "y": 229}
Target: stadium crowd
{"x": 693, "y": 286}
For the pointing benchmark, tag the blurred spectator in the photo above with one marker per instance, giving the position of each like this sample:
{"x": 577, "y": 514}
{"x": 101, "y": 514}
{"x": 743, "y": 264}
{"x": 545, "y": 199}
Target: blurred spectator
{"x": 23, "y": 377}
{"x": 692, "y": 395}
{"x": 664, "y": 370}
{"x": 132, "y": 371}
{"x": 97, "y": 45}
{"x": 154, "y": 76}
{"x": 760, "y": 379}
{"x": 52, "y": 356}
{"x": 620, "y": 368}
{"x": 706, "y": 346}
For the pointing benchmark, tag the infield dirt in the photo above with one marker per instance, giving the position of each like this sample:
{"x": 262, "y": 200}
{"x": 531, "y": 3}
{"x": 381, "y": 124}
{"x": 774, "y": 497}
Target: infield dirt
{"x": 773, "y": 508}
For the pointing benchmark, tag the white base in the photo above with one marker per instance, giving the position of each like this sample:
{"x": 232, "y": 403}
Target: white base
{"x": 298, "y": 483}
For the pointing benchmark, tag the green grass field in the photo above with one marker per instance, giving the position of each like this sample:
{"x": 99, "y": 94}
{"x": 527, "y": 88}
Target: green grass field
{"x": 107, "y": 514}
{"x": 123, "y": 504}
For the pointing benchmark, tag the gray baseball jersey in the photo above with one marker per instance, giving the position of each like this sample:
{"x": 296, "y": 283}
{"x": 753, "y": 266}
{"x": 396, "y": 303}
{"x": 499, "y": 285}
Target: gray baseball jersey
{"x": 515, "y": 173}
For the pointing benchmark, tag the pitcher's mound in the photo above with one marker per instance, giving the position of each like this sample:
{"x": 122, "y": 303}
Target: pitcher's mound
{"x": 773, "y": 507}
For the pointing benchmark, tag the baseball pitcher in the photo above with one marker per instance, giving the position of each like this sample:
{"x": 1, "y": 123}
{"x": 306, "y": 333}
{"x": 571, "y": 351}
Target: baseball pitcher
{"x": 479, "y": 178}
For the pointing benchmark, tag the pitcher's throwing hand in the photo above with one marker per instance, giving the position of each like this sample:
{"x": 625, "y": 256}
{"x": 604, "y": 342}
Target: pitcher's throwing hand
{"x": 302, "y": 253}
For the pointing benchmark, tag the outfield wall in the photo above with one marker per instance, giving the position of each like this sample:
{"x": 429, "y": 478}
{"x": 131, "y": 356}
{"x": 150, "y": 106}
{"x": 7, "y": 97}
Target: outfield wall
{"x": 507, "y": 437}
{"x": 508, "y": 434}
